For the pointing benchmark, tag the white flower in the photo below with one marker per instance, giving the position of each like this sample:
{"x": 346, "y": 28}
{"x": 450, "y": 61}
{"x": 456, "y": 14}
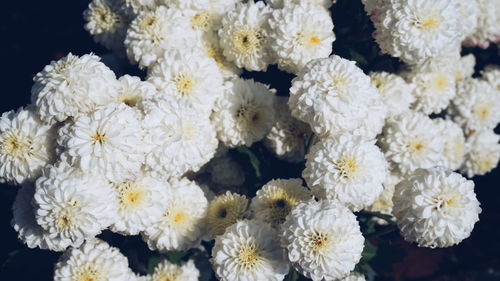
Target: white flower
{"x": 464, "y": 67}
{"x": 181, "y": 224}
{"x": 184, "y": 4}
{"x": 488, "y": 20}
{"x": 225, "y": 210}
{"x": 411, "y": 141}
{"x": 280, "y": 3}
{"x": 346, "y": 168}
{"x": 28, "y": 230}
{"x": 334, "y": 96}
{"x": 107, "y": 142}
{"x": 300, "y": 33}
{"x": 433, "y": 89}
{"x": 435, "y": 208}
{"x": 72, "y": 86}
{"x": 416, "y": 30}
{"x": 226, "y": 172}
{"x": 212, "y": 49}
{"x": 354, "y": 276}
{"x": 140, "y": 203}
{"x": 132, "y": 90}
{"x": 191, "y": 76}
{"x": 249, "y": 251}
{"x": 152, "y": 33}
{"x": 167, "y": 271}
{"x": 107, "y": 21}
{"x": 395, "y": 91}
{"x": 454, "y": 143}
{"x": 244, "y": 36}
{"x": 245, "y": 113}
{"x": 287, "y": 136}
{"x": 94, "y": 260}
{"x": 491, "y": 73}
{"x": 72, "y": 205}
{"x": 26, "y": 146}
{"x": 134, "y": 7}
{"x": 275, "y": 199}
{"x": 468, "y": 12}
{"x": 322, "y": 239}
{"x": 476, "y": 106}
{"x": 483, "y": 153}
{"x": 181, "y": 139}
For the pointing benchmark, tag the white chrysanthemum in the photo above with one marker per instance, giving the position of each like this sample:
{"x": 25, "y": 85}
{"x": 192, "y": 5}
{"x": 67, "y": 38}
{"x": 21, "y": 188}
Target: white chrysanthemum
{"x": 72, "y": 86}
{"x": 300, "y": 33}
{"x": 140, "y": 203}
{"x": 72, "y": 205}
{"x": 433, "y": 89}
{"x": 181, "y": 139}
{"x": 26, "y": 146}
{"x": 274, "y": 201}
{"x": 226, "y": 172}
{"x": 416, "y": 30}
{"x": 464, "y": 68}
{"x": 152, "y": 33}
{"x": 488, "y": 20}
{"x": 28, "y": 230}
{"x": 249, "y": 250}
{"x": 354, "y": 276}
{"x": 167, "y": 271}
{"x": 383, "y": 204}
{"x": 287, "y": 136}
{"x": 454, "y": 143}
{"x": 225, "y": 210}
{"x": 244, "y": 36}
{"x": 107, "y": 21}
{"x": 94, "y": 260}
{"x": 333, "y": 96}
{"x": 191, "y": 76}
{"x": 284, "y": 3}
{"x": 322, "y": 239}
{"x": 476, "y": 106}
{"x": 107, "y": 142}
{"x": 396, "y": 93}
{"x": 435, "y": 208}
{"x": 347, "y": 168}
{"x": 411, "y": 141}
{"x": 181, "y": 224}
{"x": 491, "y": 73}
{"x": 132, "y": 90}
{"x": 372, "y": 125}
{"x": 245, "y": 113}
{"x": 206, "y": 18}
{"x": 483, "y": 153}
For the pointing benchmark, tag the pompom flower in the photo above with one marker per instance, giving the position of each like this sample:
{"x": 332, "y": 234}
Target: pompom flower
{"x": 26, "y": 146}
{"x": 346, "y": 168}
{"x": 395, "y": 91}
{"x": 72, "y": 86}
{"x": 275, "y": 199}
{"x": 180, "y": 138}
{"x": 244, "y": 36}
{"x": 486, "y": 30}
{"x": 245, "y": 113}
{"x": 322, "y": 239}
{"x": 454, "y": 144}
{"x": 94, "y": 260}
{"x": 435, "y": 208}
{"x": 132, "y": 90}
{"x": 106, "y": 142}
{"x": 300, "y": 33}
{"x": 181, "y": 224}
{"x": 249, "y": 250}
{"x": 225, "y": 210}
{"x": 166, "y": 270}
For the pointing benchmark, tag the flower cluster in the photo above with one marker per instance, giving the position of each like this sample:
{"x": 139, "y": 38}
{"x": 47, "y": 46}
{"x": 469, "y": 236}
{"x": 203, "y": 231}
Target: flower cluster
{"x": 159, "y": 156}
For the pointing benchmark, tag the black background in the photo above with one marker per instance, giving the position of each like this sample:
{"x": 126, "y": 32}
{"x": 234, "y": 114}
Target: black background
{"x": 32, "y": 33}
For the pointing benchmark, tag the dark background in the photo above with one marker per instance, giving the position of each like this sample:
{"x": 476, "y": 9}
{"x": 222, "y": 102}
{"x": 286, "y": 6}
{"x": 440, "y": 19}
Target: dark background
{"x": 35, "y": 32}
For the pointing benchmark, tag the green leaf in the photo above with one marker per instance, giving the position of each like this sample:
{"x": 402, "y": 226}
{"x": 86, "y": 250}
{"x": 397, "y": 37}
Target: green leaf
{"x": 175, "y": 256}
{"x": 369, "y": 252}
{"x": 152, "y": 263}
{"x": 359, "y": 58}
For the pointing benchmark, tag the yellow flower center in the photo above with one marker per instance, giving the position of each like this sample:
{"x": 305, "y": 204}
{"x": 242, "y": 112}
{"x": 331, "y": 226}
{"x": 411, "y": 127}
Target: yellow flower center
{"x": 429, "y": 23}
{"x": 90, "y": 274}
{"x": 319, "y": 241}
{"x": 314, "y": 40}
{"x": 201, "y": 21}
{"x": 348, "y": 167}
{"x": 17, "y": 145}
{"x": 99, "y": 137}
{"x": 441, "y": 82}
{"x": 248, "y": 256}
{"x": 130, "y": 194}
{"x": 247, "y": 40}
{"x": 184, "y": 84}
